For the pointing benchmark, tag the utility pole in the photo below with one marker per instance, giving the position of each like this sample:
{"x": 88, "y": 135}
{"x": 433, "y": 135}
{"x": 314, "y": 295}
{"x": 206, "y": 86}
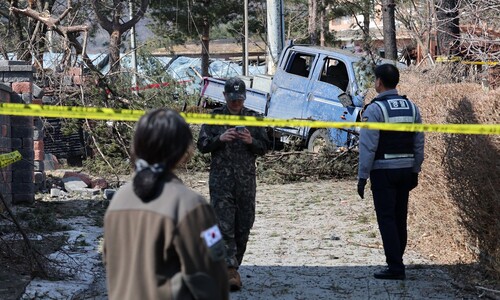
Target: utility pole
{"x": 245, "y": 56}
{"x": 133, "y": 59}
{"x": 275, "y": 33}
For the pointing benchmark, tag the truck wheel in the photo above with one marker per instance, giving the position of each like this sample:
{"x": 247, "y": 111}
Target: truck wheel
{"x": 319, "y": 139}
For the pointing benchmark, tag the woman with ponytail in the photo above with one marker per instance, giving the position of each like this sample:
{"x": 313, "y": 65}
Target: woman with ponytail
{"x": 161, "y": 239}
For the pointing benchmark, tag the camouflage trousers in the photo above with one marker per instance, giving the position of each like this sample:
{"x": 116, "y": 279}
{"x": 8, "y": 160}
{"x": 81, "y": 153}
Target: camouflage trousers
{"x": 234, "y": 204}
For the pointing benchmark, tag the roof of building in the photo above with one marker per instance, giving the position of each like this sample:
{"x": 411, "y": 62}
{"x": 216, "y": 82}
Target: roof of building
{"x": 218, "y": 49}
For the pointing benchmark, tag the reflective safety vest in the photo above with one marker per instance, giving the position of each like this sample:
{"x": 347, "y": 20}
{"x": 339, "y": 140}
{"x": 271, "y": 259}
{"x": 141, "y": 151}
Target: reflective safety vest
{"x": 395, "y": 144}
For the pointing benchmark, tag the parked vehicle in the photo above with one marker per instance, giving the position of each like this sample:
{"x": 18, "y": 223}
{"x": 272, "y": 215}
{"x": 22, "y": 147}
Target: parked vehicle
{"x": 310, "y": 83}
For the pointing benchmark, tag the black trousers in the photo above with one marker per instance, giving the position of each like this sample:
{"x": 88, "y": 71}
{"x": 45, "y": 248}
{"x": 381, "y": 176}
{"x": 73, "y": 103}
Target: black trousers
{"x": 391, "y": 188}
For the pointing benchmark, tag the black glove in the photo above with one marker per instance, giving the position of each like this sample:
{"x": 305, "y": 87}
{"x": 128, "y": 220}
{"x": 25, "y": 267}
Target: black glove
{"x": 414, "y": 181}
{"x": 361, "y": 187}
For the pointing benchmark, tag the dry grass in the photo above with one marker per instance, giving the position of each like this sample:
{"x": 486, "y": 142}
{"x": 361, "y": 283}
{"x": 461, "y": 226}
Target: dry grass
{"x": 455, "y": 211}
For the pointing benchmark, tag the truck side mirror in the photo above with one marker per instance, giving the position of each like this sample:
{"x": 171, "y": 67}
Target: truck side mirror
{"x": 346, "y": 100}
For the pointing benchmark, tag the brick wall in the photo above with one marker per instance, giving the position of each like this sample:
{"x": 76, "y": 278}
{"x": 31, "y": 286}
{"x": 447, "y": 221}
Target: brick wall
{"x": 16, "y": 86}
{"x": 5, "y": 144}
{"x": 20, "y": 180}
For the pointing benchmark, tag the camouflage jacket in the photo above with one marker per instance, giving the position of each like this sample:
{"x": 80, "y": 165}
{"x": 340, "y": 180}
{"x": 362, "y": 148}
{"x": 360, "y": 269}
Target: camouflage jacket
{"x": 231, "y": 159}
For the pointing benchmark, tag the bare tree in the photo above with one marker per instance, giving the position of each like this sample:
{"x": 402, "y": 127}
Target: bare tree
{"x": 205, "y": 42}
{"x": 69, "y": 33}
{"x": 480, "y": 30}
{"x": 416, "y": 16}
{"x": 297, "y": 21}
{"x": 110, "y": 15}
{"x": 19, "y": 32}
{"x": 448, "y": 30}
{"x": 475, "y": 35}
{"x": 356, "y": 8}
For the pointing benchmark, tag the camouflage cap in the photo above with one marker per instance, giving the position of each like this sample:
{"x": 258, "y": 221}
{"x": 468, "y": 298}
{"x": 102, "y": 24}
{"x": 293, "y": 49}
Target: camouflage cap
{"x": 235, "y": 89}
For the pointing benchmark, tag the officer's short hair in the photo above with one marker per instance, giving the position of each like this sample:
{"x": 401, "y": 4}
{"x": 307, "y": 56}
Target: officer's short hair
{"x": 388, "y": 74}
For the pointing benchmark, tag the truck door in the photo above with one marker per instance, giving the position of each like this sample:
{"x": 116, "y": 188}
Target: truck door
{"x": 329, "y": 81}
{"x": 290, "y": 85}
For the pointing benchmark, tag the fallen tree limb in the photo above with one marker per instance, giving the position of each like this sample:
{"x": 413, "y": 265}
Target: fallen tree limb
{"x": 487, "y": 290}
{"x": 25, "y": 237}
{"x": 375, "y": 246}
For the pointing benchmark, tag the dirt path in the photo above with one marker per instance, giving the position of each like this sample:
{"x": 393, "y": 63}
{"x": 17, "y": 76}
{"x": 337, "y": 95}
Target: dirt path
{"x": 321, "y": 241}
{"x": 314, "y": 241}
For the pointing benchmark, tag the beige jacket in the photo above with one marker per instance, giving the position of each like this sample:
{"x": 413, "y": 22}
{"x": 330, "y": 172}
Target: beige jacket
{"x": 169, "y": 248}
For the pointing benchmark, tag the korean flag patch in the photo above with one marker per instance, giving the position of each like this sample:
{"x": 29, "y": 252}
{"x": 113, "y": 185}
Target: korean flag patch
{"x": 211, "y": 236}
{"x": 215, "y": 244}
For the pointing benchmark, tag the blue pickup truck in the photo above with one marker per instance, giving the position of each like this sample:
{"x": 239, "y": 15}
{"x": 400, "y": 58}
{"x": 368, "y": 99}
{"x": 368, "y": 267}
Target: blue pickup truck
{"x": 310, "y": 83}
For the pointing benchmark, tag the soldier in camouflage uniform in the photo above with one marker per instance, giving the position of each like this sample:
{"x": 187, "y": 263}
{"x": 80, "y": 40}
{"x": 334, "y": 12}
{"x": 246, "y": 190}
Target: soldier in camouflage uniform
{"x": 232, "y": 180}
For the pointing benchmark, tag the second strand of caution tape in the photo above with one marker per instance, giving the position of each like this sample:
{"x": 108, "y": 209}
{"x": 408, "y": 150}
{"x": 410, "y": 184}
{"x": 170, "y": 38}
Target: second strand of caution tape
{"x": 9, "y": 158}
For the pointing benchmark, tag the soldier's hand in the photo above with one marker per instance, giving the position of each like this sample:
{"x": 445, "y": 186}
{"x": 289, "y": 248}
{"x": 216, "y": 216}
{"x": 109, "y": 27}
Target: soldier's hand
{"x": 245, "y": 136}
{"x": 229, "y": 135}
{"x": 361, "y": 187}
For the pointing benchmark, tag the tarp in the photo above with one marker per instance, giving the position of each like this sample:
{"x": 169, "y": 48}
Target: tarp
{"x": 185, "y": 69}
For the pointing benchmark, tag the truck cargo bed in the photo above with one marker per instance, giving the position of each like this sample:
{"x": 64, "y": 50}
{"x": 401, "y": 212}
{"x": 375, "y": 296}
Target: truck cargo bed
{"x": 213, "y": 89}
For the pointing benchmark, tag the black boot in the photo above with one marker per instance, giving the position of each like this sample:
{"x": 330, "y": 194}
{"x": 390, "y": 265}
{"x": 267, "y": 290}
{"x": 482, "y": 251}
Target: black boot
{"x": 388, "y": 274}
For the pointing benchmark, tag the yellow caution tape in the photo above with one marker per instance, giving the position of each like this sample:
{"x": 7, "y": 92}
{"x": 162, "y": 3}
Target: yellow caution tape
{"x": 134, "y": 115}
{"x": 258, "y": 121}
{"x": 73, "y": 112}
{"x": 448, "y": 59}
{"x": 9, "y": 158}
{"x": 465, "y": 62}
{"x": 489, "y": 63}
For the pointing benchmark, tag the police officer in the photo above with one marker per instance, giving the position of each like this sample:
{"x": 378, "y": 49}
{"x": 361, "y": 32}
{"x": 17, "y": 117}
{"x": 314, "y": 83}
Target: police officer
{"x": 232, "y": 180}
{"x": 392, "y": 160}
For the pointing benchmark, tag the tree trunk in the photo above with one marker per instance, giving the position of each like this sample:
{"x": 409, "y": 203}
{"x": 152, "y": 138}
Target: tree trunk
{"x": 312, "y": 27}
{"x": 22, "y": 52}
{"x": 113, "y": 25}
{"x": 391, "y": 50}
{"x": 114, "y": 52}
{"x": 429, "y": 13}
{"x": 367, "y": 40}
{"x": 322, "y": 23}
{"x": 205, "y": 44}
{"x": 39, "y": 45}
{"x": 448, "y": 30}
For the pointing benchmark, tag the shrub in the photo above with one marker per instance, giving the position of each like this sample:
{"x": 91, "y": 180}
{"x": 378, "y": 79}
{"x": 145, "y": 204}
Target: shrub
{"x": 455, "y": 211}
